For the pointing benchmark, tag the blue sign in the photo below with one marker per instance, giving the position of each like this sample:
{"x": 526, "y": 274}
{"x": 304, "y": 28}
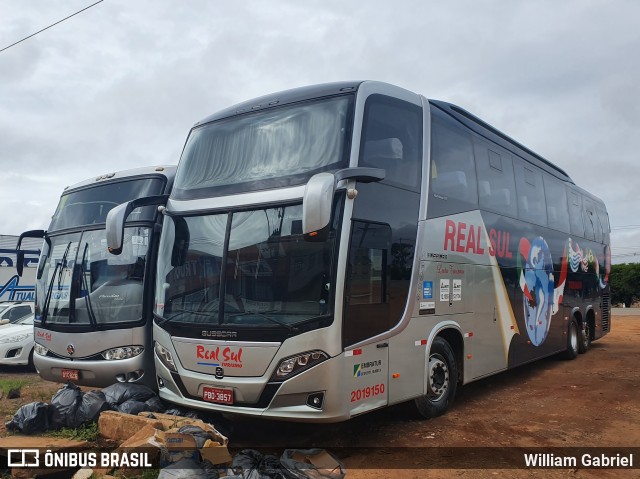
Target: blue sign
{"x": 427, "y": 290}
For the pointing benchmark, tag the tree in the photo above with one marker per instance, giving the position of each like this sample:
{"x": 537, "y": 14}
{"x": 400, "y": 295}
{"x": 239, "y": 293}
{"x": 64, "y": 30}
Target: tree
{"x": 625, "y": 283}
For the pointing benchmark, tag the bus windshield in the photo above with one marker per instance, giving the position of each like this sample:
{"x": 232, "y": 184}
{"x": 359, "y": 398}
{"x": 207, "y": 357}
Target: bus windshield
{"x": 82, "y": 284}
{"x": 264, "y": 273}
{"x": 277, "y": 147}
{"x": 90, "y": 205}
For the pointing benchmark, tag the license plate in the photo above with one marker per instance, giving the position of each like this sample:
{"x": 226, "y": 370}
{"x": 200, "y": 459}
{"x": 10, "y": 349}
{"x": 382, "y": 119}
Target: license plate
{"x": 217, "y": 395}
{"x": 71, "y": 374}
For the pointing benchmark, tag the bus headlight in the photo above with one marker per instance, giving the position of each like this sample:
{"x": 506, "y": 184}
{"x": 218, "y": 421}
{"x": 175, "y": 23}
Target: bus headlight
{"x": 126, "y": 352}
{"x": 40, "y": 349}
{"x": 293, "y": 365}
{"x": 165, "y": 357}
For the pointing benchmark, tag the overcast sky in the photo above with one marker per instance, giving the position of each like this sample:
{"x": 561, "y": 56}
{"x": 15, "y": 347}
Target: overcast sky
{"x": 119, "y": 85}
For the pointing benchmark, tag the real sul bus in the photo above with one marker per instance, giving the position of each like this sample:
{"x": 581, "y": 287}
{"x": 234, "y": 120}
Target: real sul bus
{"x": 334, "y": 249}
{"x": 93, "y": 309}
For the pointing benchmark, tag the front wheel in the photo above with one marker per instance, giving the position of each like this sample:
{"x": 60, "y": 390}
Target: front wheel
{"x": 572, "y": 340}
{"x": 441, "y": 379}
{"x": 30, "y": 365}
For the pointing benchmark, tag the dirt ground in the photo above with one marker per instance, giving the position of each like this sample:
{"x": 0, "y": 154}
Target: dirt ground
{"x": 592, "y": 401}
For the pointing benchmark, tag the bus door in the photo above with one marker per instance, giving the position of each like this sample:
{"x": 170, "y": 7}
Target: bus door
{"x": 366, "y": 315}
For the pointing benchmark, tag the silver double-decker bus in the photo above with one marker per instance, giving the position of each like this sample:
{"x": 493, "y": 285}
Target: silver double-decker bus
{"x": 333, "y": 249}
{"x": 94, "y": 309}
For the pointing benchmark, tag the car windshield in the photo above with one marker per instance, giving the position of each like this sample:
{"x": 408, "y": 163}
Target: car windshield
{"x": 275, "y": 147}
{"x": 25, "y": 320}
{"x": 267, "y": 275}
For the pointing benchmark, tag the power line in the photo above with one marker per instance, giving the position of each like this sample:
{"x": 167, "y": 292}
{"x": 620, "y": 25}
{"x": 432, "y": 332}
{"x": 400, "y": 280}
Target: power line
{"x": 52, "y": 25}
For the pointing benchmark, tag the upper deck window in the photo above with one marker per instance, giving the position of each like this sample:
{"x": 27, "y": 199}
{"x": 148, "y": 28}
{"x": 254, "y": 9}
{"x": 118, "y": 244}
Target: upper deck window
{"x": 271, "y": 148}
{"x": 89, "y": 206}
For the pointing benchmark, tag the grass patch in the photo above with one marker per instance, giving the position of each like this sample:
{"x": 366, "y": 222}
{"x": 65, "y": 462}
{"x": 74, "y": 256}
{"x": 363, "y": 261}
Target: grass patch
{"x": 146, "y": 474}
{"x": 7, "y": 384}
{"x": 86, "y": 432}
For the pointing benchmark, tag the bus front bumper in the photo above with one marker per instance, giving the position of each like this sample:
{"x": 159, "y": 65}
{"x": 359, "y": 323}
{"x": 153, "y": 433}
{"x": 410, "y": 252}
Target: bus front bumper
{"x": 96, "y": 373}
{"x": 293, "y": 399}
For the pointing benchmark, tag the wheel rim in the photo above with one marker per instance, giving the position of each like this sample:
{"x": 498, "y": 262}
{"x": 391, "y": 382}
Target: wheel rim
{"x": 573, "y": 338}
{"x": 437, "y": 378}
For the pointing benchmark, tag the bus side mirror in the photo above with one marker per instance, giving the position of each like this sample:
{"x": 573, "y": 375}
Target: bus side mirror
{"x": 316, "y": 206}
{"x": 117, "y": 216}
{"x": 20, "y": 253}
{"x": 318, "y": 198}
{"x": 115, "y": 227}
{"x": 20, "y": 262}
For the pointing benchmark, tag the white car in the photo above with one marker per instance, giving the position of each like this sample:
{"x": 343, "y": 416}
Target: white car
{"x": 16, "y": 342}
{"x": 10, "y": 312}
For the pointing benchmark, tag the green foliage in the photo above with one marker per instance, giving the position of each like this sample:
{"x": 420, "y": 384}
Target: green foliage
{"x": 86, "y": 432}
{"x": 625, "y": 283}
{"x": 7, "y": 384}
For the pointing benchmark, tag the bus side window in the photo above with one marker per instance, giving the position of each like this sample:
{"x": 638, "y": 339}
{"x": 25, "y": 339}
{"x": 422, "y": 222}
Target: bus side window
{"x": 496, "y": 187}
{"x": 367, "y": 305}
{"x": 531, "y": 202}
{"x": 557, "y": 212}
{"x": 392, "y": 140}
{"x": 591, "y": 229}
{"x": 575, "y": 213}
{"x": 452, "y": 183}
{"x": 604, "y": 220}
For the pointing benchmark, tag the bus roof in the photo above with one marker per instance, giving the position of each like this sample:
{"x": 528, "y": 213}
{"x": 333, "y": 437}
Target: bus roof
{"x": 165, "y": 170}
{"x": 482, "y": 128}
{"x": 283, "y": 98}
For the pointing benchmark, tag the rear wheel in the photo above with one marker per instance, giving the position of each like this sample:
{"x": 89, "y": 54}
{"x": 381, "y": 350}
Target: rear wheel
{"x": 585, "y": 338}
{"x": 441, "y": 379}
{"x": 572, "y": 340}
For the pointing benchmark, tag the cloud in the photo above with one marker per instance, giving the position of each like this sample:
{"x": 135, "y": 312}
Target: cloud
{"x": 119, "y": 85}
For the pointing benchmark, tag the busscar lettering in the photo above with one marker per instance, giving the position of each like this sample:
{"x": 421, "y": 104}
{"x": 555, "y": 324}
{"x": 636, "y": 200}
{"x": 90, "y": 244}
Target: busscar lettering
{"x": 463, "y": 238}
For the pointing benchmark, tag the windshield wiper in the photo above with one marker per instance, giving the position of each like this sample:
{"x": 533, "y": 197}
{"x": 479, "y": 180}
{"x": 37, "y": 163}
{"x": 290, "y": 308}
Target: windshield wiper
{"x": 63, "y": 264}
{"x": 47, "y": 299}
{"x": 87, "y": 297}
{"x": 164, "y": 320}
{"x": 268, "y": 318}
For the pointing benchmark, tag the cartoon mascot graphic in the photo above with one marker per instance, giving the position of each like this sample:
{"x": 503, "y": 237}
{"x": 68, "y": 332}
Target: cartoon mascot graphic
{"x": 542, "y": 298}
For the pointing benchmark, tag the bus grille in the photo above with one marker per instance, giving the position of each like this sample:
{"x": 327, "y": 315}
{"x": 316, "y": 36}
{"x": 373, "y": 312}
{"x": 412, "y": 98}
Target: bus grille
{"x": 606, "y": 311}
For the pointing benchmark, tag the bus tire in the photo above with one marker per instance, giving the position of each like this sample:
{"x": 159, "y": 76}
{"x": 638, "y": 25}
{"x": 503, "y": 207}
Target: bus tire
{"x": 573, "y": 340}
{"x": 441, "y": 378}
{"x": 584, "y": 338}
{"x": 30, "y": 365}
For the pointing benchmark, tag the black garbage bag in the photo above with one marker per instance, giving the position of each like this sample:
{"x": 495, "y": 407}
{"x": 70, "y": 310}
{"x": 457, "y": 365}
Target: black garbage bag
{"x": 186, "y": 469}
{"x": 176, "y": 411}
{"x": 118, "y": 393}
{"x": 132, "y": 407}
{"x": 252, "y": 464}
{"x": 311, "y": 464}
{"x": 63, "y": 410}
{"x": 93, "y": 403}
{"x": 155, "y": 404}
{"x": 30, "y": 418}
{"x": 199, "y": 434}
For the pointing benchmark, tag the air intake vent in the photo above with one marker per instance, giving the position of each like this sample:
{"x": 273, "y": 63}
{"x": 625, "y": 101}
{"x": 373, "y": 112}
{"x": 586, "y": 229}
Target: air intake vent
{"x": 606, "y": 311}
